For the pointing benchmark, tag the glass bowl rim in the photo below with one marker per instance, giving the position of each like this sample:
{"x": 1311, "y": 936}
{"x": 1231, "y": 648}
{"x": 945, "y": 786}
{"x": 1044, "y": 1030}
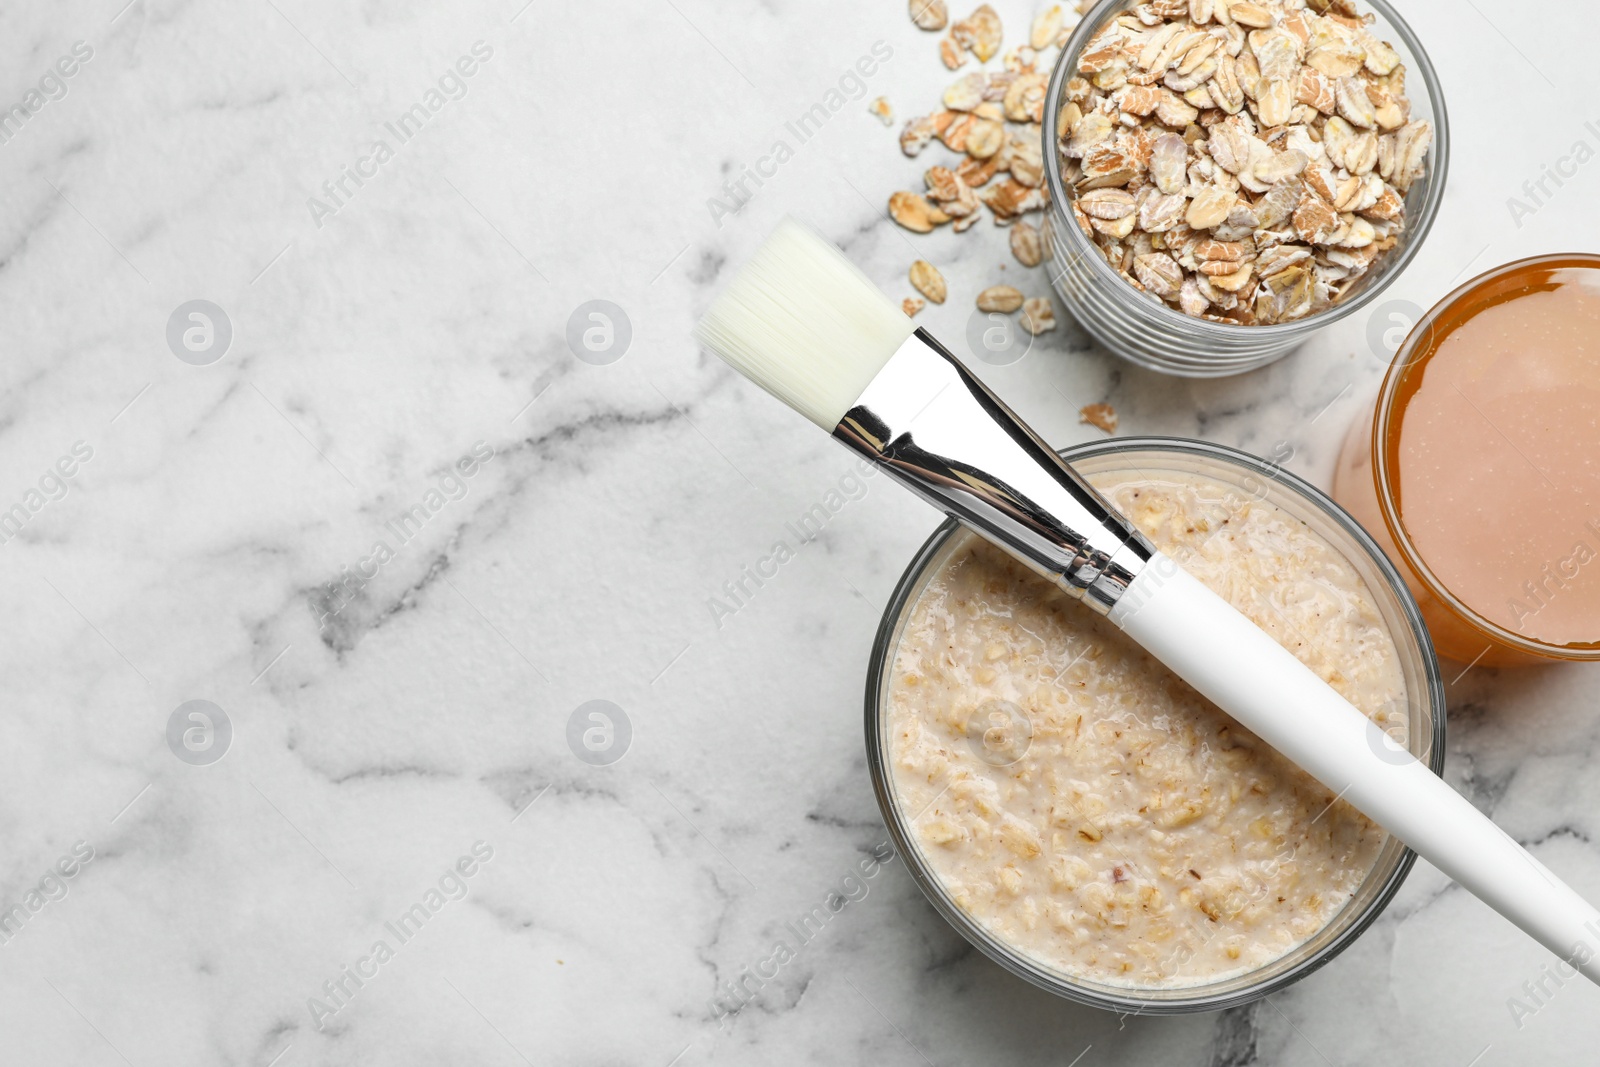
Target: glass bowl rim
{"x": 1415, "y": 235}
{"x": 1012, "y": 959}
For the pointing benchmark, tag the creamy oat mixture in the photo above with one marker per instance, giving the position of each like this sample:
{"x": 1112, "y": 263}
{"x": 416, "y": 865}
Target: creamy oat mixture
{"x": 1142, "y": 838}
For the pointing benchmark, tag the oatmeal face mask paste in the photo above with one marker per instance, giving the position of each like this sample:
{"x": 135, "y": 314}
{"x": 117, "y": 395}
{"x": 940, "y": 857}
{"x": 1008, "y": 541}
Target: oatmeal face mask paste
{"x": 1084, "y": 805}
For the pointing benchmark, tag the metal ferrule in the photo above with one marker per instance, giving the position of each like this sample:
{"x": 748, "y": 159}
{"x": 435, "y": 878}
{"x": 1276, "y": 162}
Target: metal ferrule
{"x": 926, "y": 420}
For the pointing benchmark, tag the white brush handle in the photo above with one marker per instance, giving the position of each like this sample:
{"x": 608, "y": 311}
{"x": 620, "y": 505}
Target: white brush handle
{"x": 1237, "y": 666}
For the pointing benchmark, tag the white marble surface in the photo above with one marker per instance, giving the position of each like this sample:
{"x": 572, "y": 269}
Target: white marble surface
{"x": 189, "y": 558}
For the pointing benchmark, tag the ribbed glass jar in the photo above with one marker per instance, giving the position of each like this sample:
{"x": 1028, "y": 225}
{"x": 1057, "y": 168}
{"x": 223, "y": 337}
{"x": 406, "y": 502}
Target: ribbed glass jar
{"x": 1141, "y": 328}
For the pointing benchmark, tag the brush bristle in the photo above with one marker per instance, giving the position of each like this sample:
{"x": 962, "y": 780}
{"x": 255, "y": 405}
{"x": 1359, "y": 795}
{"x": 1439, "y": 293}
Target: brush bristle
{"x": 801, "y": 321}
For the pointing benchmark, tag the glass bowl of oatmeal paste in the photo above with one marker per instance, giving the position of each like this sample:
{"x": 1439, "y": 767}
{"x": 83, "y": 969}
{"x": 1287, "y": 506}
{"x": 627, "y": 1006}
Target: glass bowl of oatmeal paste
{"x": 1086, "y": 819}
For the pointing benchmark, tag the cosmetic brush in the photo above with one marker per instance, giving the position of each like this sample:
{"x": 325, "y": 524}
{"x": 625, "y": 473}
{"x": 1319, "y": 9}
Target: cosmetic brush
{"x": 801, "y": 321}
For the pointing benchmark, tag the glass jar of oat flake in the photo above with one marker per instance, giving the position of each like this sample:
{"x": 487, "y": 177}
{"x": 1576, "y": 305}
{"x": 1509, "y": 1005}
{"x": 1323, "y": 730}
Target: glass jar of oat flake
{"x": 1146, "y": 331}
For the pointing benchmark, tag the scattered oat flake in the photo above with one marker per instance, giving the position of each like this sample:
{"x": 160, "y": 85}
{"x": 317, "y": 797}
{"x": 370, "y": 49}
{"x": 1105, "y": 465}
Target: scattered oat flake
{"x": 880, "y": 107}
{"x": 913, "y": 211}
{"x": 993, "y": 120}
{"x": 1046, "y": 28}
{"x": 1101, "y": 415}
{"x": 916, "y": 135}
{"x": 927, "y": 280}
{"x": 929, "y": 14}
{"x": 979, "y": 33}
{"x": 1026, "y": 244}
{"x": 966, "y": 92}
{"x": 1001, "y": 298}
{"x": 1038, "y": 315}
{"x": 951, "y": 53}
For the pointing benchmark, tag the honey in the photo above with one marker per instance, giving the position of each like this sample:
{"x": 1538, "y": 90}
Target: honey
{"x": 1480, "y": 469}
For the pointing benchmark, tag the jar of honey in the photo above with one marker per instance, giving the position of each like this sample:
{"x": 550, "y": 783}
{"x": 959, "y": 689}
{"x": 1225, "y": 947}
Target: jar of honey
{"x": 1478, "y": 470}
